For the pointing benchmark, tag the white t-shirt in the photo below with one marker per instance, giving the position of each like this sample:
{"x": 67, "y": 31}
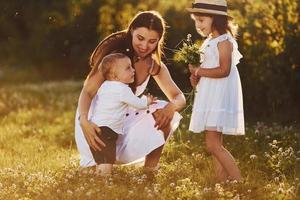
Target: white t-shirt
{"x": 111, "y": 104}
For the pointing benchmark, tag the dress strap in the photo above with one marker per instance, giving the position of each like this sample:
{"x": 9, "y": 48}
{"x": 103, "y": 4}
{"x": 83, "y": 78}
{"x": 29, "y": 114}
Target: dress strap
{"x": 154, "y": 68}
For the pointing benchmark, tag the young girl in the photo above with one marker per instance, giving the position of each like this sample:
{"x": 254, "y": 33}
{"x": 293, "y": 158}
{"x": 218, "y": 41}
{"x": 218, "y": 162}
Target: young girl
{"x": 111, "y": 107}
{"x": 218, "y": 104}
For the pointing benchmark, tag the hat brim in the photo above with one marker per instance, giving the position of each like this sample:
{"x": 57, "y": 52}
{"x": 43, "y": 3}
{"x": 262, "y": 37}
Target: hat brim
{"x": 205, "y": 11}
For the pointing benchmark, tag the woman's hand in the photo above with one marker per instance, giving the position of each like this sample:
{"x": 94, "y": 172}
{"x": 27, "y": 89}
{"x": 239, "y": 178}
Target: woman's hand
{"x": 90, "y": 131}
{"x": 164, "y": 116}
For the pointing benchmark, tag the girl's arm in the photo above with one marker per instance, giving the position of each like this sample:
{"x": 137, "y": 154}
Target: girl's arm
{"x": 225, "y": 51}
{"x": 173, "y": 93}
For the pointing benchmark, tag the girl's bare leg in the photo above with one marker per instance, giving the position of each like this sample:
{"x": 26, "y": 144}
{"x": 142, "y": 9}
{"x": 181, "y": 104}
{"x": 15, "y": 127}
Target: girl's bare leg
{"x": 225, "y": 159}
{"x": 221, "y": 173}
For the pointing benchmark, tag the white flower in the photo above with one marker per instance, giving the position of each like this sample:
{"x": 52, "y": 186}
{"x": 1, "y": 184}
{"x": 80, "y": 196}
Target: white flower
{"x": 280, "y": 190}
{"x": 144, "y": 176}
{"x": 69, "y": 192}
{"x": 89, "y": 193}
{"x": 253, "y": 157}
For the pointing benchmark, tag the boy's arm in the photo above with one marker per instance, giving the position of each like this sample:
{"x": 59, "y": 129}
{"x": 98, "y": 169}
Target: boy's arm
{"x": 129, "y": 98}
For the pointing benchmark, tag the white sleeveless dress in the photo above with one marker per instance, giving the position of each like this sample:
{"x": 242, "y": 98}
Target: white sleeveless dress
{"x": 139, "y": 138}
{"x": 218, "y": 103}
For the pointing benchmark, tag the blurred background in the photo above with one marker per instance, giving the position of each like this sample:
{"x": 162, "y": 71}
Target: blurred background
{"x": 51, "y": 40}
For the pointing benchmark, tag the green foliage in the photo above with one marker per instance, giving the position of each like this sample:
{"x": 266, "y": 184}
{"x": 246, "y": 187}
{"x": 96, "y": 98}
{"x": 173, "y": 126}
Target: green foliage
{"x": 57, "y": 37}
{"x": 270, "y": 66}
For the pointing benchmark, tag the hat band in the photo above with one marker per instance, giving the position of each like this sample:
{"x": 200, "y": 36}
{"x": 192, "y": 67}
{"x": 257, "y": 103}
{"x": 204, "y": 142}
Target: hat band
{"x": 209, "y": 6}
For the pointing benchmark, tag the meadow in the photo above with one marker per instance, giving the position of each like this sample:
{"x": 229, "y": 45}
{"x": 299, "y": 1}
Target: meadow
{"x": 39, "y": 160}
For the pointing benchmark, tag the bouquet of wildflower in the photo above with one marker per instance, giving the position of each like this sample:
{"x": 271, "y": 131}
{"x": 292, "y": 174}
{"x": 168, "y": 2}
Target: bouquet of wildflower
{"x": 189, "y": 53}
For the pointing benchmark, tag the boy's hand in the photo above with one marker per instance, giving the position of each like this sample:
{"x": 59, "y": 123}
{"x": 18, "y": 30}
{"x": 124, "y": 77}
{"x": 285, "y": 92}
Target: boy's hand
{"x": 151, "y": 100}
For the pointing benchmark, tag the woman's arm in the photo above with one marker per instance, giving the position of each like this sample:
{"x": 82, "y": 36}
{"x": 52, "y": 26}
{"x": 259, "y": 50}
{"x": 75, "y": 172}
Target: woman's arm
{"x": 225, "y": 51}
{"x": 92, "y": 84}
{"x": 173, "y": 93}
{"x": 88, "y": 91}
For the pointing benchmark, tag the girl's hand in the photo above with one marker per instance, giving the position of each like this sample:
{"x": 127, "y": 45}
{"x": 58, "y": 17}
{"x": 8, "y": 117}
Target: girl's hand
{"x": 194, "y": 80}
{"x": 164, "y": 116}
{"x": 89, "y": 130}
{"x": 194, "y": 69}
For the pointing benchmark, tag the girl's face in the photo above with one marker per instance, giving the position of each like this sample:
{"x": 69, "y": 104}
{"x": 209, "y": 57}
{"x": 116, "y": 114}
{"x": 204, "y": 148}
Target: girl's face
{"x": 144, "y": 41}
{"x": 123, "y": 71}
{"x": 203, "y": 24}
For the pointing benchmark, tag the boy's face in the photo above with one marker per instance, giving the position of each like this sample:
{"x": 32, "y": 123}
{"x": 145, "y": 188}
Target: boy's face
{"x": 123, "y": 71}
{"x": 203, "y": 24}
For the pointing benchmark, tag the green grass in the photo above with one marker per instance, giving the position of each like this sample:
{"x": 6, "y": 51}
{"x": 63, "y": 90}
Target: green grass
{"x": 39, "y": 160}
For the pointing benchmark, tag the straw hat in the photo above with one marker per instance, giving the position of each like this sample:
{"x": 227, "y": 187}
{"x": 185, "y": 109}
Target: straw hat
{"x": 216, "y": 7}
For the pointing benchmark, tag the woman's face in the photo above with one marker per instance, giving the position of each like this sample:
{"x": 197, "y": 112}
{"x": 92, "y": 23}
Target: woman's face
{"x": 203, "y": 25}
{"x": 144, "y": 41}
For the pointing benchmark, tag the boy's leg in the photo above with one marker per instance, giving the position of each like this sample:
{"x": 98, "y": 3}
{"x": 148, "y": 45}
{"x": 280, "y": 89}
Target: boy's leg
{"x": 107, "y": 156}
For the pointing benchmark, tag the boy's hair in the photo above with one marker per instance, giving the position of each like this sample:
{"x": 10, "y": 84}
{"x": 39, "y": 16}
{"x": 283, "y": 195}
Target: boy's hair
{"x": 108, "y": 63}
{"x": 220, "y": 22}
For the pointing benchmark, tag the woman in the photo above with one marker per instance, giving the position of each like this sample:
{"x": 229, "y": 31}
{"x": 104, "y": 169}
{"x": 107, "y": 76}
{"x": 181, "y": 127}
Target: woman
{"x": 145, "y": 132}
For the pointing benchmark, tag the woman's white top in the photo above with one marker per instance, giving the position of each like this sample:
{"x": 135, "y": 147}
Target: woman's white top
{"x": 111, "y": 105}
